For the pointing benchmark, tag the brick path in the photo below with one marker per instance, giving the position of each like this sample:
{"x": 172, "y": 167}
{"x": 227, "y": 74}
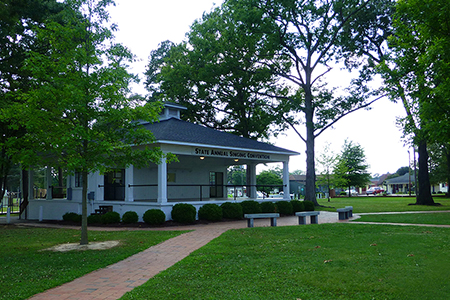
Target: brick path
{"x": 115, "y": 280}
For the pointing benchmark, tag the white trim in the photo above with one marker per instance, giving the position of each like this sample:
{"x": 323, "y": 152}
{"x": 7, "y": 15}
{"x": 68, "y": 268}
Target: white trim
{"x": 225, "y": 147}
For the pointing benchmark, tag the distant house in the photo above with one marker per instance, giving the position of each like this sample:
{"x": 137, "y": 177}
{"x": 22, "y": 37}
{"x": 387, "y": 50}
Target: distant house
{"x": 377, "y": 181}
{"x": 400, "y": 185}
{"x": 199, "y": 176}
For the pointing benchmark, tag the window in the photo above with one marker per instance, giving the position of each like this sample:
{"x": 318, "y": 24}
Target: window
{"x": 78, "y": 179}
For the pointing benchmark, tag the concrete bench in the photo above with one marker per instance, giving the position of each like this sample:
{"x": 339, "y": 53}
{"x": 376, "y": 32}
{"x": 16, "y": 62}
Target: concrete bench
{"x": 273, "y": 218}
{"x": 350, "y": 212}
{"x": 314, "y": 215}
{"x": 344, "y": 213}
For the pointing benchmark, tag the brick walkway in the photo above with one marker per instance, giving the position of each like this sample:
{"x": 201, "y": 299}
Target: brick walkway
{"x": 115, "y": 280}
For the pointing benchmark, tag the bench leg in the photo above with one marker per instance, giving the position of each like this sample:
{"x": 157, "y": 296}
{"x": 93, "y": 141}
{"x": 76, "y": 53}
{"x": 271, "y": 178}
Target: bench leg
{"x": 250, "y": 223}
{"x": 273, "y": 221}
{"x": 314, "y": 220}
{"x": 301, "y": 220}
{"x": 341, "y": 215}
{"x": 346, "y": 215}
{"x": 350, "y": 214}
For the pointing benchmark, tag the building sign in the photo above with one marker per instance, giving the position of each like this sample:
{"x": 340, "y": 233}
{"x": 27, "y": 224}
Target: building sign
{"x": 230, "y": 154}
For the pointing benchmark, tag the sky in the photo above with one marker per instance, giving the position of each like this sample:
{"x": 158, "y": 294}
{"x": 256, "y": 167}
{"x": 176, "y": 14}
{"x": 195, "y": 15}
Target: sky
{"x": 143, "y": 24}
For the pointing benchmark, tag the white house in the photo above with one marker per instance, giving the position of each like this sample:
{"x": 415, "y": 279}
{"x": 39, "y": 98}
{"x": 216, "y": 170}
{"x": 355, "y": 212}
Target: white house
{"x": 199, "y": 177}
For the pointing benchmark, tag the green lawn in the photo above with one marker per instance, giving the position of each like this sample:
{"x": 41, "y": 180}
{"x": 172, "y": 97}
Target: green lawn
{"x": 328, "y": 261}
{"x": 26, "y": 270}
{"x": 430, "y": 218}
{"x": 381, "y": 204}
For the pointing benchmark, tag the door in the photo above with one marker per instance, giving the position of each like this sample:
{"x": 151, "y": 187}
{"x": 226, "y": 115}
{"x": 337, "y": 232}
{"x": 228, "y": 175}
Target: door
{"x": 115, "y": 185}
{"x": 216, "y": 182}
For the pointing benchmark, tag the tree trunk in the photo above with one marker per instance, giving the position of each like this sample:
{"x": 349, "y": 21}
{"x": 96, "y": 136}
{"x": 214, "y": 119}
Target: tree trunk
{"x": 447, "y": 156}
{"x": 84, "y": 233}
{"x": 310, "y": 186}
{"x": 424, "y": 194}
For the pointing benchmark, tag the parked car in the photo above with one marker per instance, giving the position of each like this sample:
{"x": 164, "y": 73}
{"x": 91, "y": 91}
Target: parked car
{"x": 354, "y": 192}
{"x": 374, "y": 191}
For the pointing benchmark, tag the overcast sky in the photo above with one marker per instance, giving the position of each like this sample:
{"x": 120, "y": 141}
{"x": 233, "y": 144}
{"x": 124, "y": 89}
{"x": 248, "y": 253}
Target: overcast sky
{"x": 143, "y": 24}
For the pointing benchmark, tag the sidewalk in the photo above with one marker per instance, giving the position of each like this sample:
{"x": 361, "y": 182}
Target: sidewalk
{"x": 115, "y": 280}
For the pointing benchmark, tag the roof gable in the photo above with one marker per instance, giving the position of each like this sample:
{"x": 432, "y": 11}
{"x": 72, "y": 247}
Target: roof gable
{"x": 179, "y": 131}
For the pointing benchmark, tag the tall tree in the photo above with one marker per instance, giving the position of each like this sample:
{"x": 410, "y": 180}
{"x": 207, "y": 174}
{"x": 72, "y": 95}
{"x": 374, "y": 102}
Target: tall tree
{"x": 418, "y": 75}
{"x": 314, "y": 35}
{"x": 77, "y": 112}
{"x": 268, "y": 180}
{"x": 215, "y": 75}
{"x": 355, "y": 171}
{"x": 17, "y": 38}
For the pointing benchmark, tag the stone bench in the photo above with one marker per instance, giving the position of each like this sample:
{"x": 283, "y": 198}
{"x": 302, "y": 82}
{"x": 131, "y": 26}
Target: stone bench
{"x": 273, "y": 218}
{"x": 314, "y": 215}
{"x": 345, "y": 213}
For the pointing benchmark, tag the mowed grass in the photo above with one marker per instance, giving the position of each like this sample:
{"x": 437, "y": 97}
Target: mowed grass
{"x": 26, "y": 270}
{"x": 328, "y": 261}
{"x": 381, "y": 204}
{"x": 414, "y": 218}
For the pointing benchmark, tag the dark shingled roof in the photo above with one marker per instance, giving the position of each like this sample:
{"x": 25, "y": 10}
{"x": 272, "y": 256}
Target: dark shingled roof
{"x": 184, "y": 132}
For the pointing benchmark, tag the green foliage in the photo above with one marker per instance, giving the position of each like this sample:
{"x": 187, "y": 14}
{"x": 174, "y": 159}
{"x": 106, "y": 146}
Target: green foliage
{"x": 232, "y": 210}
{"x": 130, "y": 217}
{"x": 210, "y": 212}
{"x": 250, "y": 207}
{"x": 154, "y": 217}
{"x": 236, "y": 175}
{"x": 184, "y": 213}
{"x": 352, "y": 168}
{"x": 268, "y": 207}
{"x": 309, "y": 205}
{"x": 285, "y": 207}
{"x": 297, "y": 205}
{"x": 111, "y": 217}
{"x": 214, "y": 74}
{"x": 72, "y": 217}
{"x": 268, "y": 178}
{"x": 94, "y": 219}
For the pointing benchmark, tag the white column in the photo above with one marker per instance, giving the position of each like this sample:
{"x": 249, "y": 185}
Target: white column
{"x": 251, "y": 180}
{"x": 129, "y": 180}
{"x": 48, "y": 173}
{"x": 286, "y": 180}
{"x": 99, "y": 191}
{"x": 162, "y": 181}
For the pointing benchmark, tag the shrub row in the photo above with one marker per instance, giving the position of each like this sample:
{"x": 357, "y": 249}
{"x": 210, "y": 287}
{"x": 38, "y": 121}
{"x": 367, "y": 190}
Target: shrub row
{"x": 185, "y": 213}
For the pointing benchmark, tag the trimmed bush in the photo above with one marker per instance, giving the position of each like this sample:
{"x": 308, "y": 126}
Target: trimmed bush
{"x": 130, "y": 217}
{"x": 184, "y": 213}
{"x": 94, "y": 219}
{"x": 232, "y": 210}
{"x": 268, "y": 207}
{"x": 285, "y": 207}
{"x": 110, "y": 217}
{"x": 210, "y": 212}
{"x": 343, "y": 193}
{"x": 297, "y": 206}
{"x": 154, "y": 217}
{"x": 250, "y": 207}
{"x": 72, "y": 217}
{"x": 309, "y": 205}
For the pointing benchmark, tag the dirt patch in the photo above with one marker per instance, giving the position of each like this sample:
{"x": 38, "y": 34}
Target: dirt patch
{"x": 78, "y": 247}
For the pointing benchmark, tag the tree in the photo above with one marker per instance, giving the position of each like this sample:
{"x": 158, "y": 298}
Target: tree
{"x": 297, "y": 172}
{"x": 353, "y": 166}
{"x": 76, "y": 111}
{"x": 17, "y": 38}
{"x": 265, "y": 181}
{"x": 327, "y": 160}
{"x": 313, "y": 35}
{"x": 237, "y": 175}
{"x": 215, "y": 75}
{"x": 417, "y": 74}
